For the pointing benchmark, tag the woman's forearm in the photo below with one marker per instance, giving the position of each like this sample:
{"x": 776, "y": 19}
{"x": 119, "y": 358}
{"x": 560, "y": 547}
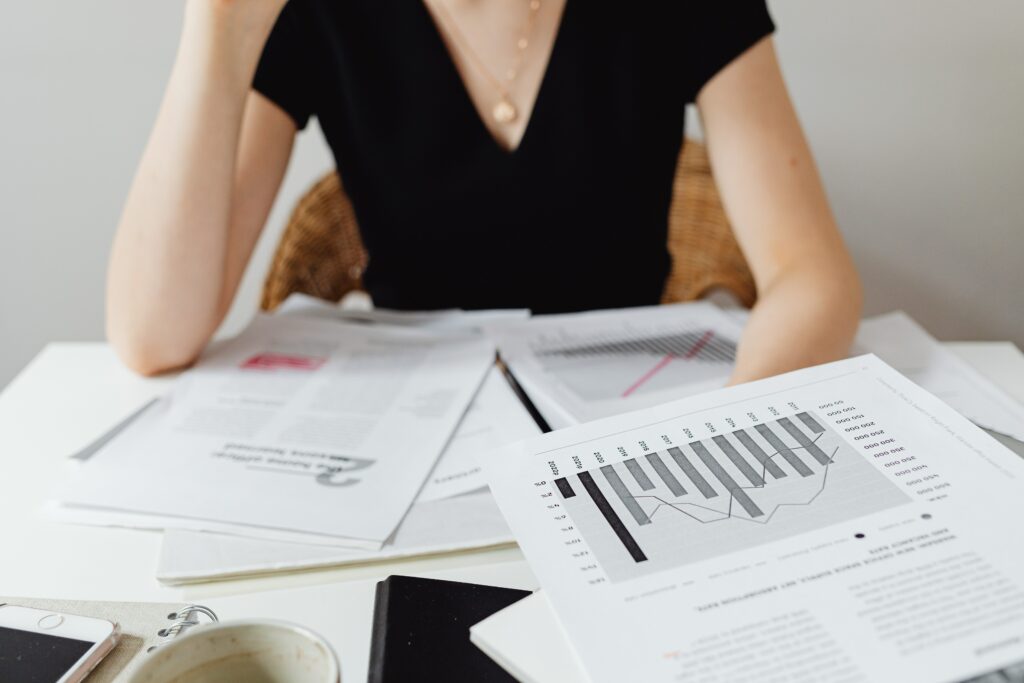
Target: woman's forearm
{"x": 167, "y": 265}
{"x": 805, "y": 317}
{"x": 809, "y": 294}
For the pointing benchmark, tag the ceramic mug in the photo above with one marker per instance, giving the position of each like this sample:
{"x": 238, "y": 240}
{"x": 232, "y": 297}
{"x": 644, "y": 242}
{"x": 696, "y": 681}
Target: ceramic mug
{"x": 251, "y": 650}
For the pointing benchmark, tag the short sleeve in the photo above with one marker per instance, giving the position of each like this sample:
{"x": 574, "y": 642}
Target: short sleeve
{"x": 720, "y": 31}
{"x": 284, "y": 74}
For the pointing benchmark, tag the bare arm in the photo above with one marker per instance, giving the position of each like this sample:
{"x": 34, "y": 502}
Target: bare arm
{"x": 202, "y": 192}
{"x": 809, "y": 295}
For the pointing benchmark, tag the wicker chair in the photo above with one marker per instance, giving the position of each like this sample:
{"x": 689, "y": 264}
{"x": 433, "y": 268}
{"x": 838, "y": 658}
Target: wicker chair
{"x": 321, "y": 253}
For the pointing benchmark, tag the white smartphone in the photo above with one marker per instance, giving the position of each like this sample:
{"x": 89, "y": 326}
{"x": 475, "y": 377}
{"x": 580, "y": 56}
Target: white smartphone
{"x": 37, "y": 646}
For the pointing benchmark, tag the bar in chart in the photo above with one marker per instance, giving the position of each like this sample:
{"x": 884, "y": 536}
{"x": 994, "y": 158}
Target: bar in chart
{"x": 704, "y": 498}
{"x": 612, "y": 518}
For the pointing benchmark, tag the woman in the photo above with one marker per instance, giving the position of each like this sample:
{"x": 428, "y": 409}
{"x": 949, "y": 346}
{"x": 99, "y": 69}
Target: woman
{"x": 498, "y": 153}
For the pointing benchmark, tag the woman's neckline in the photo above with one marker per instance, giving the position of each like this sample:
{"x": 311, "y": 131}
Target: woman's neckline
{"x": 468, "y": 106}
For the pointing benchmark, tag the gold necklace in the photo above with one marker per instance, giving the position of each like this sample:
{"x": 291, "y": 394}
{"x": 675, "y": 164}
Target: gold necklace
{"x": 504, "y": 111}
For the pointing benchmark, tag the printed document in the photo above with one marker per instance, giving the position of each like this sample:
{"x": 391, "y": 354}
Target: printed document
{"x": 297, "y": 426}
{"x": 837, "y": 523}
{"x": 582, "y": 366}
{"x": 495, "y": 417}
{"x": 446, "y": 517}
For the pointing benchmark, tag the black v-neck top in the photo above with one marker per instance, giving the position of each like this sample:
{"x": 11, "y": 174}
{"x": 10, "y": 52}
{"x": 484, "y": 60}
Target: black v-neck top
{"x": 576, "y": 217}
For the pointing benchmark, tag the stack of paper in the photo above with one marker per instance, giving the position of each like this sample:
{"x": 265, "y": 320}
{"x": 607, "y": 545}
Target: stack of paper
{"x": 447, "y": 516}
{"x": 299, "y": 430}
{"x": 466, "y": 522}
{"x": 325, "y": 436}
{"x": 527, "y": 639}
{"x": 835, "y": 523}
{"x": 452, "y": 512}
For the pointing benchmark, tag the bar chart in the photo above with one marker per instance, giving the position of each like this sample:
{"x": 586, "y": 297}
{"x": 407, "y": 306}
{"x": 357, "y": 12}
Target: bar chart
{"x": 706, "y": 498}
{"x": 621, "y": 363}
{"x": 701, "y": 345}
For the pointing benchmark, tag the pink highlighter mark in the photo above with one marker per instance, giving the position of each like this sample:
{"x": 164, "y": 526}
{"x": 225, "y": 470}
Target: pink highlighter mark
{"x": 649, "y": 374}
{"x": 280, "y": 361}
{"x": 694, "y": 350}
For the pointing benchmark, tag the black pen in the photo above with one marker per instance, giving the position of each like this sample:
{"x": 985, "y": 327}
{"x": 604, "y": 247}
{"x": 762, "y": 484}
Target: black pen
{"x": 522, "y": 395}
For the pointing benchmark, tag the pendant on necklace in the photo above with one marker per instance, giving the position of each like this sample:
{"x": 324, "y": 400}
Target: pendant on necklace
{"x": 504, "y": 112}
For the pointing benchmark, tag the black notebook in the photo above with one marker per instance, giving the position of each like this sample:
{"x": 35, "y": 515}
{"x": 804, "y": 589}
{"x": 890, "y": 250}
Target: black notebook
{"x": 421, "y": 630}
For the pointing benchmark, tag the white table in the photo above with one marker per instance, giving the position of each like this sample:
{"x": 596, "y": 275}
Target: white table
{"x": 73, "y": 392}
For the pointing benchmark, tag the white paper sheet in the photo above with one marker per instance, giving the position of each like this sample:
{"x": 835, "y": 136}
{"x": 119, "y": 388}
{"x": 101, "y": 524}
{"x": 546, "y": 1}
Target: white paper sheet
{"x": 296, "y": 426}
{"x": 94, "y": 516}
{"x": 837, "y": 522}
{"x": 453, "y": 319}
{"x": 495, "y": 418}
{"x": 441, "y": 526}
{"x": 898, "y": 340}
{"x": 583, "y": 366}
{"x": 527, "y": 641}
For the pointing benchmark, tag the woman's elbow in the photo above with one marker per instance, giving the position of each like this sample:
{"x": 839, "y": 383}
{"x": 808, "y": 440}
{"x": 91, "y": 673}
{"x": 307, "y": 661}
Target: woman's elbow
{"x": 853, "y": 291}
{"x": 844, "y": 297}
{"x": 146, "y": 354}
{"x": 835, "y": 278}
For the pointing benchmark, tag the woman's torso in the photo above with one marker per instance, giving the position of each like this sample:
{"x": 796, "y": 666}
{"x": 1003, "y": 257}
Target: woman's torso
{"x": 573, "y": 218}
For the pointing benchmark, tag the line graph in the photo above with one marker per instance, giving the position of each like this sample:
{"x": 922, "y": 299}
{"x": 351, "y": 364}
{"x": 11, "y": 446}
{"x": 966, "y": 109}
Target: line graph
{"x": 723, "y": 515}
{"x": 618, "y": 364}
{"x": 709, "y": 497}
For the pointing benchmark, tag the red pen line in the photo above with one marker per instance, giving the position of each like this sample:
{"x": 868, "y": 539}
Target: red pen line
{"x": 649, "y": 374}
{"x": 694, "y": 350}
{"x": 701, "y": 343}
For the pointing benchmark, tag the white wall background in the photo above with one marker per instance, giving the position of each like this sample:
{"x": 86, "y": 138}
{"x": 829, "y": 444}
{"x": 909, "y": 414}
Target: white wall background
{"x": 914, "y": 109}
